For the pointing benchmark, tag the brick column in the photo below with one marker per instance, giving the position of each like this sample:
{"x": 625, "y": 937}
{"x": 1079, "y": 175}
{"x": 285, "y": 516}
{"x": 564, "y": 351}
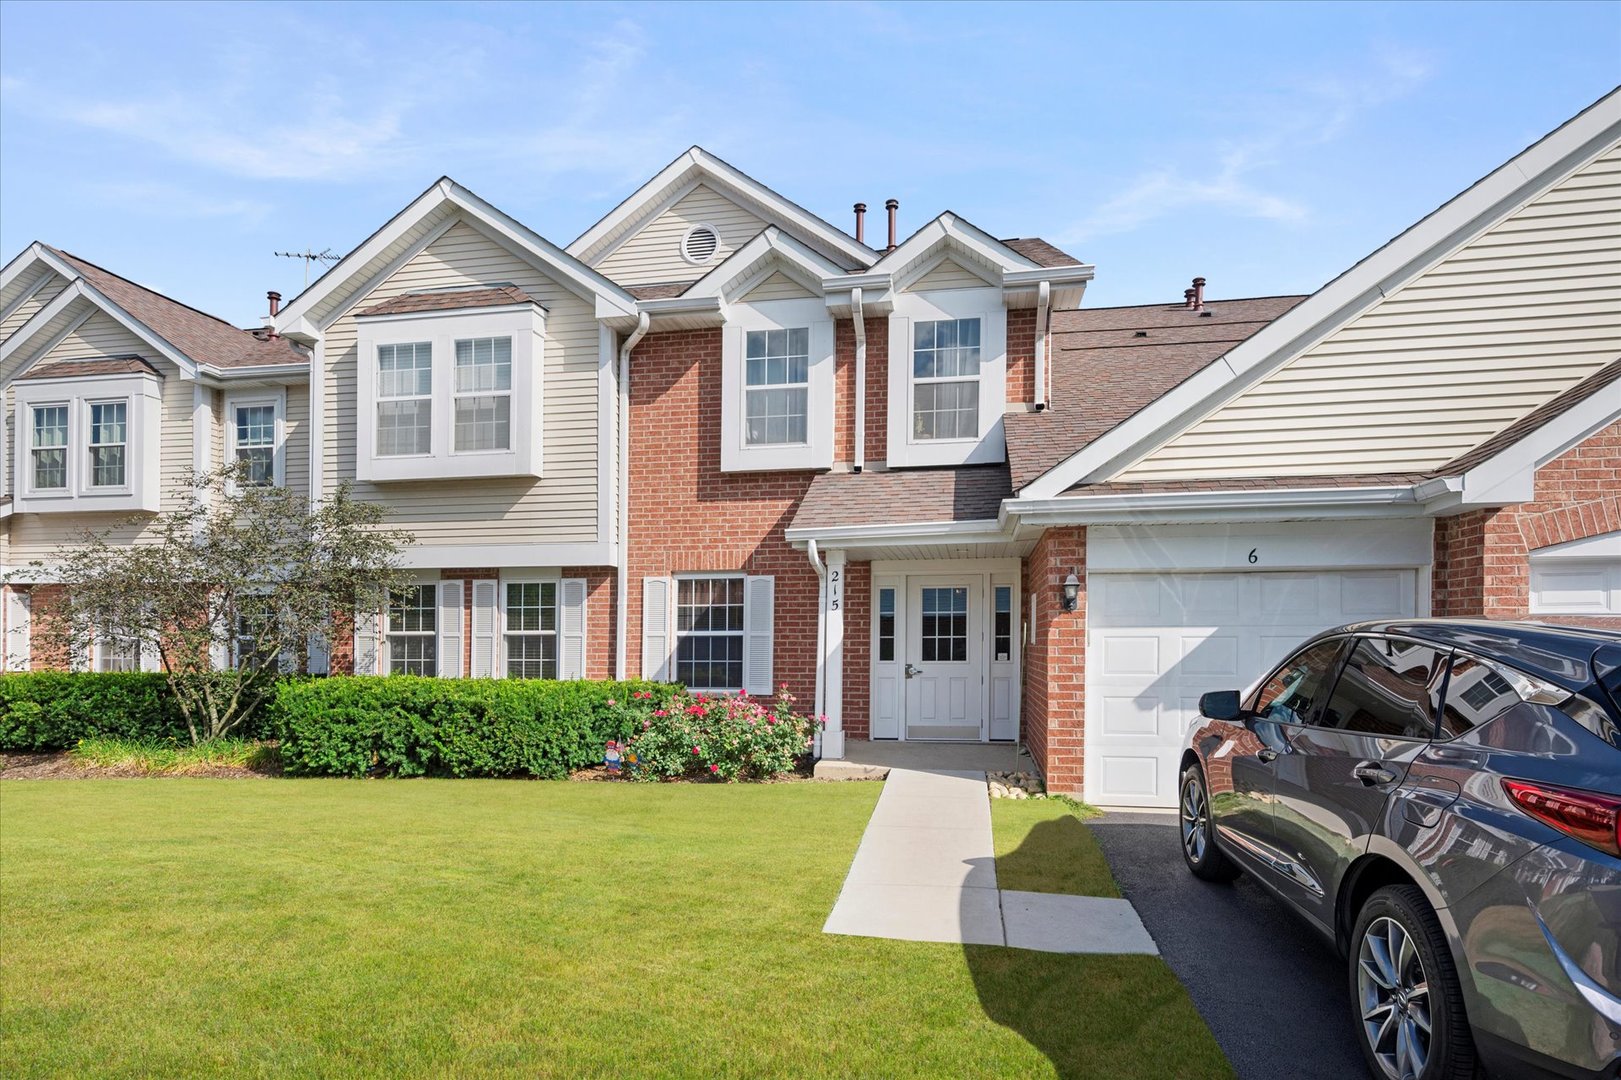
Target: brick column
{"x": 1055, "y": 661}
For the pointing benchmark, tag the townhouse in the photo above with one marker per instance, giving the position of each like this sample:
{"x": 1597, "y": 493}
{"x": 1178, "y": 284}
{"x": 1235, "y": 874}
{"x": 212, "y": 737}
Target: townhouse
{"x": 719, "y": 440}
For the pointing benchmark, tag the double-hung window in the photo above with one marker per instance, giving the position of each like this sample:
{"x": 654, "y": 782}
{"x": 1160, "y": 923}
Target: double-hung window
{"x": 945, "y": 379}
{"x": 531, "y": 629}
{"x": 255, "y": 631}
{"x": 776, "y": 374}
{"x": 49, "y": 447}
{"x": 254, "y": 429}
{"x": 412, "y": 631}
{"x": 709, "y": 633}
{"x": 483, "y": 407}
{"x": 115, "y": 652}
{"x": 405, "y": 399}
{"x": 109, "y": 430}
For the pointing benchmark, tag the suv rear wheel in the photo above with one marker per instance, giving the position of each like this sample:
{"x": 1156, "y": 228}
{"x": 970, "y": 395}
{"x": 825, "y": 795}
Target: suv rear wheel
{"x": 1405, "y": 995}
{"x": 1198, "y": 833}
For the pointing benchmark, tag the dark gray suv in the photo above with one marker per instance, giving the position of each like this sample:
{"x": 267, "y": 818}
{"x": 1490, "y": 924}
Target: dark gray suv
{"x": 1442, "y": 799}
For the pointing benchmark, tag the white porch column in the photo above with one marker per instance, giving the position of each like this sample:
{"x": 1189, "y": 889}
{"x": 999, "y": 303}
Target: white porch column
{"x": 833, "y": 658}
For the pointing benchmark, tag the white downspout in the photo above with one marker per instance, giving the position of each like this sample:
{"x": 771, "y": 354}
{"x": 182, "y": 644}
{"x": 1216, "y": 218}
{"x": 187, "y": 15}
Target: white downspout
{"x": 821, "y": 630}
{"x": 1043, "y": 299}
{"x": 860, "y": 459}
{"x": 622, "y": 571}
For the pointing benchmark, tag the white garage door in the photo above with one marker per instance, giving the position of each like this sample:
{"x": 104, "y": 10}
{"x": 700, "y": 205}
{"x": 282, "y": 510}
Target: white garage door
{"x": 1159, "y": 640}
{"x": 1579, "y": 578}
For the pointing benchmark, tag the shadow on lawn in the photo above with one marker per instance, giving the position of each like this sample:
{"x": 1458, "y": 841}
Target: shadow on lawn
{"x": 1094, "y": 1017}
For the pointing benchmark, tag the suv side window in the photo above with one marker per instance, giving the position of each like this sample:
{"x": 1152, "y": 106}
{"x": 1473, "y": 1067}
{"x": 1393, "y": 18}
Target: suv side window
{"x": 1389, "y": 687}
{"x": 1293, "y": 694}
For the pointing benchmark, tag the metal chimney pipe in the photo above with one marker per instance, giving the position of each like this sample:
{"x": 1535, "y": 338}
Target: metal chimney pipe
{"x": 861, "y": 223}
{"x": 892, "y": 205}
{"x": 275, "y": 302}
{"x": 1198, "y": 294}
{"x": 1187, "y": 299}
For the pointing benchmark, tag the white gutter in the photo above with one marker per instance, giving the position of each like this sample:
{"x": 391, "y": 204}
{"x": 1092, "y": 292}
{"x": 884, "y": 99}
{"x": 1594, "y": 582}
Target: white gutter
{"x": 860, "y": 322}
{"x": 1143, "y": 507}
{"x": 821, "y": 630}
{"x": 622, "y": 468}
{"x": 910, "y": 532}
{"x": 1044, "y": 294}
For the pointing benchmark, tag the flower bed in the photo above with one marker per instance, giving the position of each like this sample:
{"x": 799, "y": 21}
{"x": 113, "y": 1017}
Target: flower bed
{"x": 679, "y": 735}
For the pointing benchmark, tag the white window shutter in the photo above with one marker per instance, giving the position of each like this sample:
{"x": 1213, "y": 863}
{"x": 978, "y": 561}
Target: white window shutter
{"x": 571, "y": 629}
{"x": 19, "y": 650}
{"x": 485, "y": 595}
{"x": 758, "y": 615}
{"x": 150, "y": 660}
{"x": 366, "y": 658}
{"x": 320, "y": 657}
{"x": 450, "y": 629}
{"x": 656, "y": 628}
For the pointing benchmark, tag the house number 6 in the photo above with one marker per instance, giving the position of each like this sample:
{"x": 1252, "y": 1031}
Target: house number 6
{"x": 1253, "y": 557}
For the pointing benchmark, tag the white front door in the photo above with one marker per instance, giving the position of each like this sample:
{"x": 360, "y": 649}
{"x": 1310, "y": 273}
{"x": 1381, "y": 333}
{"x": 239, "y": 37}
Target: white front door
{"x": 1159, "y": 640}
{"x": 945, "y": 657}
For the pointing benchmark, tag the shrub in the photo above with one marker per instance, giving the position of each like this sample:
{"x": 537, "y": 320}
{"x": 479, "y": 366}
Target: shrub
{"x": 403, "y": 725}
{"x": 174, "y": 756}
{"x": 54, "y": 710}
{"x": 728, "y": 738}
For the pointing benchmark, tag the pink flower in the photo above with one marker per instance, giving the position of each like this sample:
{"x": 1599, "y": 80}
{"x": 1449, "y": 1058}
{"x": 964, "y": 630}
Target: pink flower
{"x": 612, "y": 703}
{"x": 714, "y": 768}
{"x": 660, "y": 712}
{"x": 646, "y": 724}
{"x": 695, "y": 751}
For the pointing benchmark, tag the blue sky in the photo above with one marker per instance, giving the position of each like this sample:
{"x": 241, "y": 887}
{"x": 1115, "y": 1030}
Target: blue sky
{"x": 1264, "y": 146}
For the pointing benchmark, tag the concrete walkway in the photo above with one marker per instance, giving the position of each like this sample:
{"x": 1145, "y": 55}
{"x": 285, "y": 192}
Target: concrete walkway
{"x": 926, "y": 871}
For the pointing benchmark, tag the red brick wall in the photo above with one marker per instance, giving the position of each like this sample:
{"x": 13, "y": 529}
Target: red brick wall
{"x": 1055, "y": 661}
{"x": 599, "y": 618}
{"x": 1021, "y": 357}
{"x": 844, "y": 408}
{"x": 47, "y": 632}
{"x": 1482, "y": 563}
{"x": 857, "y": 649}
{"x": 686, "y": 515}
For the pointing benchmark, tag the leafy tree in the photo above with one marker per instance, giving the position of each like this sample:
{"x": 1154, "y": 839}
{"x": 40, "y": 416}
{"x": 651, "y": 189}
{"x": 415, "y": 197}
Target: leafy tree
{"x": 227, "y": 590}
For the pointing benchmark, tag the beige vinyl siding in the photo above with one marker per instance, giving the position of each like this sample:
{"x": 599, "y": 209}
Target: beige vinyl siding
{"x": 35, "y": 536}
{"x": 559, "y": 508}
{"x": 1517, "y": 315}
{"x": 29, "y": 307}
{"x": 297, "y": 419}
{"x": 778, "y": 286}
{"x": 652, "y": 253}
{"x": 948, "y": 275}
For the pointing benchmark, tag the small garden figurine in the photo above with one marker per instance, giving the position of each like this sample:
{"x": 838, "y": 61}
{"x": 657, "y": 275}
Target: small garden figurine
{"x": 610, "y": 757}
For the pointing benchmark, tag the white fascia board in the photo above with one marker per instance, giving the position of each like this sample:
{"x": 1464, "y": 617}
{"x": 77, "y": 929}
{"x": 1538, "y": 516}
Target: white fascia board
{"x": 294, "y": 320}
{"x": 1420, "y": 247}
{"x": 280, "y": 374}
{"x": 949, "y": 226}
{"x": 697, "y": 161}
{"x": 21, "y": 264}
{"x": 985, "y": 531}
{"x": 1054, "y": 275}
{"x": 812, "y": 266}
{"x": 684, "y": 312}
{"x": 1604, "y": 547}
{"x": 443, "y": 556}
{"x": 81, "y": 289}
{"x": 1510, "y": 476}
{"x": 1391, "y": 500}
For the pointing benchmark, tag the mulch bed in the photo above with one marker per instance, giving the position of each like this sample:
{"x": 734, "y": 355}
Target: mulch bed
{"x": 59, "y": 766}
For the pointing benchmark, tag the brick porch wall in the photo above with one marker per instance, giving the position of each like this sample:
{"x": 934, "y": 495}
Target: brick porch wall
{"x": 1482, "y": 565}
{"x": 1055, "y": 660}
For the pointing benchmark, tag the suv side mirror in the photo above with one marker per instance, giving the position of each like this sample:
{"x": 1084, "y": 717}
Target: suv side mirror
{"x": 1220, "y": 705}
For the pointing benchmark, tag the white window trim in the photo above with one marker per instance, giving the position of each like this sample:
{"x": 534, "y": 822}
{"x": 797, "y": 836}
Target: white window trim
{"x": 676, "y": 633}
{"x": 1596, "y": 561}
{"x": 142, "y": 398}
{"x": 987, "y": 447}
{"x": 87, "y": 432}
{"x": 277, "y": 399}
{"x": 457, "y": 395}
{"x": 736, "y": 454}
{"x": 525, "y": 324}
{"x": 385, "y": 652}
{"x": 522, "y": 578}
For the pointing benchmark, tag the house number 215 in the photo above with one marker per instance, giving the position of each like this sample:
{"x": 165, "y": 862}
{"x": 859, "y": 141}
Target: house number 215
{"x": 834, "y": 589}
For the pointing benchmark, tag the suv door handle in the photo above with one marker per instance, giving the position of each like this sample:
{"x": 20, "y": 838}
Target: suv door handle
{"x": 1372, "y": 773}
{"x": 1266, "y": 753}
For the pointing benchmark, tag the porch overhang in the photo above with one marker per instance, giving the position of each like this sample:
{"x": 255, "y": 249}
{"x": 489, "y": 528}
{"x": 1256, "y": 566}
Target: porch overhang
{"x": 986, "y": 538}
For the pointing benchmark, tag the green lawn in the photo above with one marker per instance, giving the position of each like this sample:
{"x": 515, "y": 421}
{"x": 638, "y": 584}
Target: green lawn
{"x": 353, "y": 928}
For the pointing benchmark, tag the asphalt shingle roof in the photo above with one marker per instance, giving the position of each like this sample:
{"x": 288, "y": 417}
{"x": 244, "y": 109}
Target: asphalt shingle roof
{"x": 914, "y": 496}
{"x": 110, "y": 365}
{"x": 450, "y": 299}
{"x": 1040, "y": 252}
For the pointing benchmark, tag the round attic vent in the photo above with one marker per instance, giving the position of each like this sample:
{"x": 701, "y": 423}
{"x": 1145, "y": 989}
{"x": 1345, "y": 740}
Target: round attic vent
{"x": 700, "y": 243}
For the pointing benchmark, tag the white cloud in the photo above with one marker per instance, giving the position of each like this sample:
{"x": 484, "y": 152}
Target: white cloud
{"x": 1311, "y": 112}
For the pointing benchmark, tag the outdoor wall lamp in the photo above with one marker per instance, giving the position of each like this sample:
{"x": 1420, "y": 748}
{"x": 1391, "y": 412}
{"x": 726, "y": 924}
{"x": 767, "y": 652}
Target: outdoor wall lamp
{"x": 1071, "y": 592}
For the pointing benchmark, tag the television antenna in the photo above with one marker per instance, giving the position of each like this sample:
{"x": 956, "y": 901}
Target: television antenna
{"x": 324, "y": 255}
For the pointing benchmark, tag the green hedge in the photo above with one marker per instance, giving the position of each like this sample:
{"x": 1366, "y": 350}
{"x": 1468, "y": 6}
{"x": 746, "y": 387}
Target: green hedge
{"x": 402, "y": 725}
{"x": 53, "y": 710}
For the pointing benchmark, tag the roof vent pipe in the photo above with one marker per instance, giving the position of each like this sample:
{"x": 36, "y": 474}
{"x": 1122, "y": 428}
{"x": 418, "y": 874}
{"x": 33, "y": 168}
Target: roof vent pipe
{"x": 861, "y": 222}
{"x": 1198, "y": 294}
{"x": 275, "y": 302}
{"x": 892, "y": 205}
{"x": 1187, "y": 299}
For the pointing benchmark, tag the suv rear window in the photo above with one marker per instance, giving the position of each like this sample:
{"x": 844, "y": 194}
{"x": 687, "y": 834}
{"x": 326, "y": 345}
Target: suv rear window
{"x": 1476, "y": 693}
{"x": 1389, "y": 687}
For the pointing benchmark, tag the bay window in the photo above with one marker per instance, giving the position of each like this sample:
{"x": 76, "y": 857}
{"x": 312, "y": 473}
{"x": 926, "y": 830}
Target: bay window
{"x": 450, "y": 393}
{"x": 87, "y": 443}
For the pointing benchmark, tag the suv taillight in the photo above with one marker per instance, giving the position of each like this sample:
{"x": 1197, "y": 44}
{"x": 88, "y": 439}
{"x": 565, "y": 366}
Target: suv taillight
{"x": 1587, "y": 816}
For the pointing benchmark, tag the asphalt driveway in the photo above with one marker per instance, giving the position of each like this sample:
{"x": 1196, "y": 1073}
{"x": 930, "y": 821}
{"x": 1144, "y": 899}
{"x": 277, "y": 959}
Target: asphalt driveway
{"x": 1271, "y": 990}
